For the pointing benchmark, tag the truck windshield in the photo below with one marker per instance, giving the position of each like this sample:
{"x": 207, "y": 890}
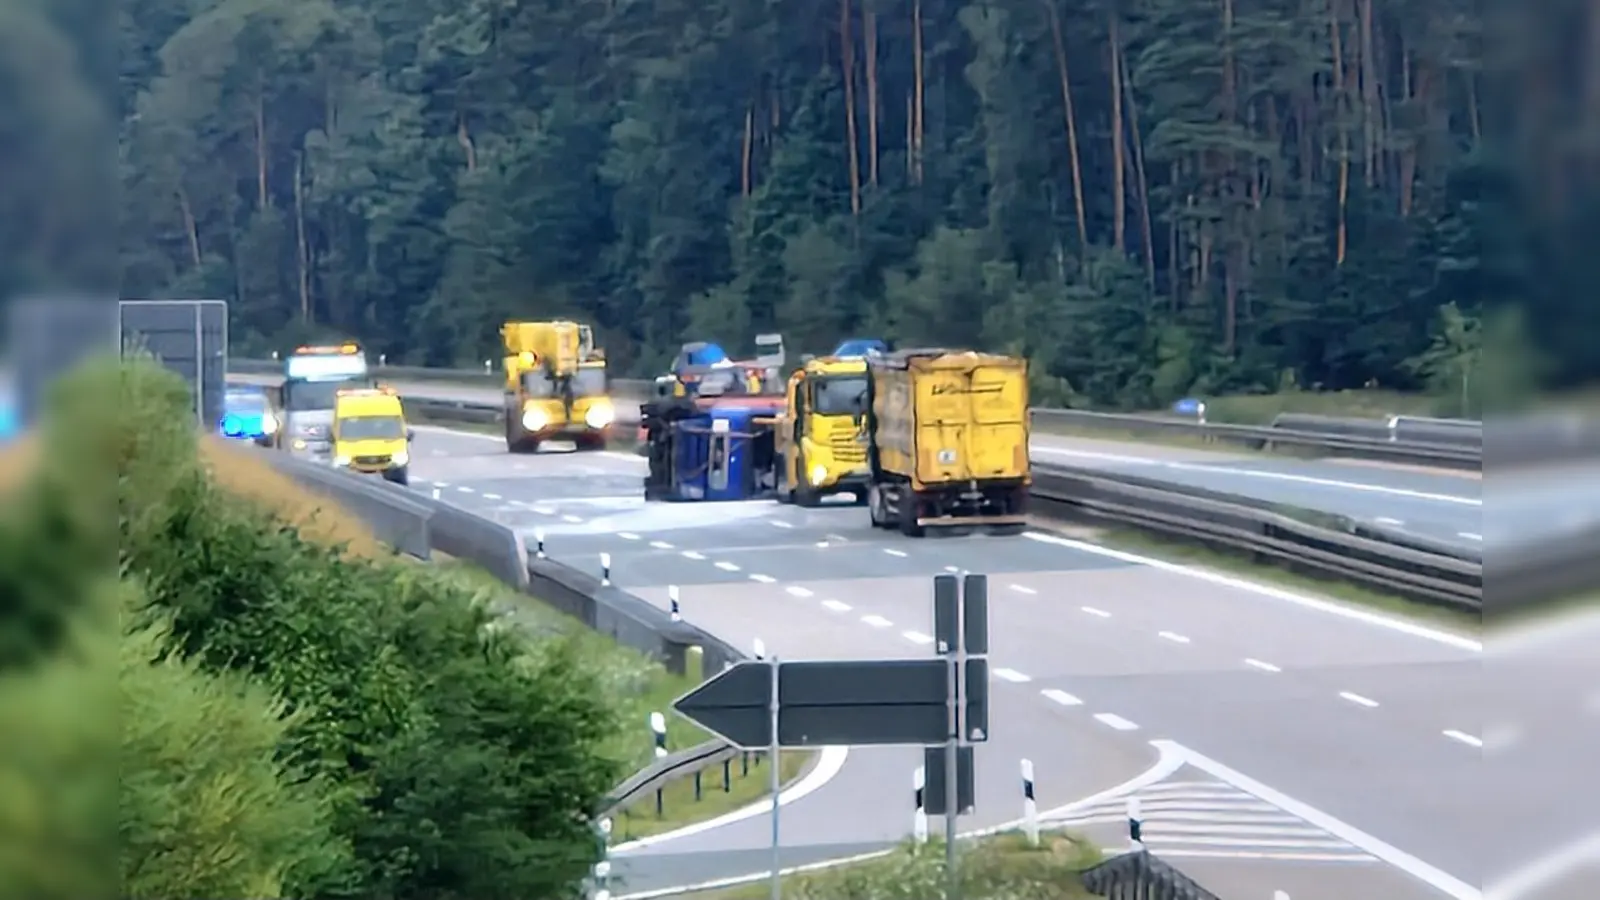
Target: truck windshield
{"x": 304, "y": 395}
{"x": 587, "y": 382}
{"x": 843, "y": 395}
{"x": 371, "y": 428}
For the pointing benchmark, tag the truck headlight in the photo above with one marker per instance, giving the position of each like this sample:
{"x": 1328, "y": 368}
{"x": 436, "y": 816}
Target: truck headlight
{"x": 534, "y": 419}
{"x": 818, "y": 473}
{"x": 401, "y": 458}
{"x": 299, "y": 444}
{"x": 269, "y": 424}
{"x": 600, "y": 415}
{"x": 341, "y": 462}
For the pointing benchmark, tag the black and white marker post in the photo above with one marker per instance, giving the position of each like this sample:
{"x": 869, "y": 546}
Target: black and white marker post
{"x": 672, "y": 599}
{"x": 658, "y": 725}
{"x": 538, "y": 542}
{"x": 1030, "y": 809}
{"x": 602, "y": 868}
{"x": 919, "y": 816}
{"x": 605, "y": 569}
{"x": 775, "y": 783}
{"x": 1135, "y": 826}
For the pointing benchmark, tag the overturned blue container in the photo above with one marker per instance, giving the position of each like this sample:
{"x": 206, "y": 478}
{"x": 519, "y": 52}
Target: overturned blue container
{"x": 720, "y": 455}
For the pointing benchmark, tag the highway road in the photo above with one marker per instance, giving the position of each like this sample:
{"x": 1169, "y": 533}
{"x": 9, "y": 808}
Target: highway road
{"x": 1444, "y": 506}
{"x": 1312, "y": 736}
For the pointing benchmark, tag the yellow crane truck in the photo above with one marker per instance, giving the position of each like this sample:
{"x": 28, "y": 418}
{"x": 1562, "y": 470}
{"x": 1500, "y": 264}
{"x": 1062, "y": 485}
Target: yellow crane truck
{"x": 820, "y": 450}
{"x": 947, "y": 441}
{"x": 556, "y": 386}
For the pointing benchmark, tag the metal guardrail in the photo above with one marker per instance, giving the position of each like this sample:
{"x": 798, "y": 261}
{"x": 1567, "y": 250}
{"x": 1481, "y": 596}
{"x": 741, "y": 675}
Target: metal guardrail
{"x": 417, "y": 525}
{"x": 1440, "y": 442}
{"x": 1328, "y": 545}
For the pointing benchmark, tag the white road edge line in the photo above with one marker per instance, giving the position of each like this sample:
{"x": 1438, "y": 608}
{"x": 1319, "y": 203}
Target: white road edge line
{"x": 1546, "y": 870}
{"x": 829, "y": 762}
{"x": 1359, "y": 700}
{"x": 1463, "y": 737}
{"x": 1165, "y": 766}
{"x": 1324, "y": 606}
{"x": 1390, "y": 854}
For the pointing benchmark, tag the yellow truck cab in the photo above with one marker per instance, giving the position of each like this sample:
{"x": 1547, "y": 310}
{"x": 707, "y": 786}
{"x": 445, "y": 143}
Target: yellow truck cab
{"x": 819, "y": 445}
{"x": 370, "y": 434}
{"x": 556, "y": 386}
{"x": 947, "y": 441}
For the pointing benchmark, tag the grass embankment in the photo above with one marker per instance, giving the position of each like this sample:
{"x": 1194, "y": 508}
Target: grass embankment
{"x": 1002, "y": 867}
{"x": 655, "y": 693}
{"x": 638, "y": 686}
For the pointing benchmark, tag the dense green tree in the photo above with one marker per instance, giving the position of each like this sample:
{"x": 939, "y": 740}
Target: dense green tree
{"x": 1146, "y": 196}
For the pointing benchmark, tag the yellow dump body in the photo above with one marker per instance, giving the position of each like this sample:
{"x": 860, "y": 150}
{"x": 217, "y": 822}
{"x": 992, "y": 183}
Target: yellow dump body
{"x": 943, "y": 418}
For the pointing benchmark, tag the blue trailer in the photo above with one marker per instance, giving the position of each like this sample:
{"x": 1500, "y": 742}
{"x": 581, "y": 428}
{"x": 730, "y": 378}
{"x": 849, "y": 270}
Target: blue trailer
{"x": 710, "y": 451}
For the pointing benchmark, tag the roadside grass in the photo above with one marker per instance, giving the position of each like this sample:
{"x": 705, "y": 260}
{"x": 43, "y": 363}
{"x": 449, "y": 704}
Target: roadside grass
{"x": 19, "y": 459}
{"x": 242, "y": 472}
{"x": 1239, "y": 564}
{"x": 1260, "y": 409}
{"x": 1001, "y": 867}
{"x": 747, "y": 784}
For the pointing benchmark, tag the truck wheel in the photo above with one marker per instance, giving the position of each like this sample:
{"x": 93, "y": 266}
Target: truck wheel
{"x": 906, "y": 513}
{"x": 876, "y": 509}
{"x": 804, "y": 494}
{"x": 400, "y": 475}
{"x": 592, "y": 442}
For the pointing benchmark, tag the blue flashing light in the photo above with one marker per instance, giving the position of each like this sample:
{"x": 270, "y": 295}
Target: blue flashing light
{"x": 9, "y": 424}
{"x": 241, "y": 426}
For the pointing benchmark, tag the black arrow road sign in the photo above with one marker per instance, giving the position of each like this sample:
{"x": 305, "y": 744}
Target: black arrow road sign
{"x": 821, "y": 703}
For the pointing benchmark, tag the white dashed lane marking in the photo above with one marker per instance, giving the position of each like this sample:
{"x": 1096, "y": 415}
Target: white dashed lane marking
{"x": 893, "y": 552}
{"x": 836, "y": 605}
{"x": 661, "y": 545}
{"x": 1023, "y": 589}
{"x": 726, "y": 566}
{"x": 691, "y": 554}
{"x": 1463, "y": 737}
{"x": 491, "y": 496}
{"x": 1263, "y": 666}
{"x": 1096, "y": 612}
{"x": 876, "y": 621}
{"x": 1359, "y": 700}
{"x": 1174, "y": 637}
{"x": 464, "y": 490}
{"x": 627, "y": 535}
{"x": 798, "y": 591}
{"x": 779, "y": 523}
{"x": 917, "y": 637}
{"x": 1061, "y": 697}
{"x": 1471, "y": 536}
{"x": 762, "y": 579}
{"x": 1011, "y": 675}
{"x": 573, "y": 519}
{"x": 1112, "y": 720}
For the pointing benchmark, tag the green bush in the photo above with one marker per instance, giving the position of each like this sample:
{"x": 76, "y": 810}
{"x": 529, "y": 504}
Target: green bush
{"x": 458, "y": 764}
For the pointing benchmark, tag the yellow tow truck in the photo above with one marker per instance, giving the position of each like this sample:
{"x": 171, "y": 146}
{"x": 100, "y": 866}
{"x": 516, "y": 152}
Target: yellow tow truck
{"x": 820, "y": 449}
{"x": 947, "y": 441}
{"x": 556, "y": 386}
{"x": 369, "y": 433}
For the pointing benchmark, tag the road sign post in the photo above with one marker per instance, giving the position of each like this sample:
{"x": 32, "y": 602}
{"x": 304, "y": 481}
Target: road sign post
{"x": 940, "y": 704}
{"x": 775, "y": 779}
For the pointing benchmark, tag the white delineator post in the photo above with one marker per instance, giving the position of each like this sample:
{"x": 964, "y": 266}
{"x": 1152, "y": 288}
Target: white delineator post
{"x": 759, "y": 648}
{"x": 672, "y": 598}
{"x": 658, "y": 725}
{"x": 919, "y": 817}
{"x": 1135, "y": 826}
{"x": 605, "y": 569}
{"x": 538, "y": 542}
{"x": 602, "y": 869}
{"x": 1030, "y": 809}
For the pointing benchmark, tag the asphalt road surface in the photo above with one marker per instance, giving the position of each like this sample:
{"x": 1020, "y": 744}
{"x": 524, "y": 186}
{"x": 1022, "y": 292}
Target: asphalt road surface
{"x": 1363, "y": 733}
{"x": 1439, "y": 505}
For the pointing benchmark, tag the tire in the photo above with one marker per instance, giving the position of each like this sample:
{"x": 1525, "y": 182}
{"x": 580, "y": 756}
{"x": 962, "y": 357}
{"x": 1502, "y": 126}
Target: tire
{"x": 592, "y": 442}
{"x": 906, "y": 513}
{"x": 875, "y": 508}
{"x": 400, "y": 475}
{"x": 783, "y": 495}
{"x": 1007, "y": 530}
